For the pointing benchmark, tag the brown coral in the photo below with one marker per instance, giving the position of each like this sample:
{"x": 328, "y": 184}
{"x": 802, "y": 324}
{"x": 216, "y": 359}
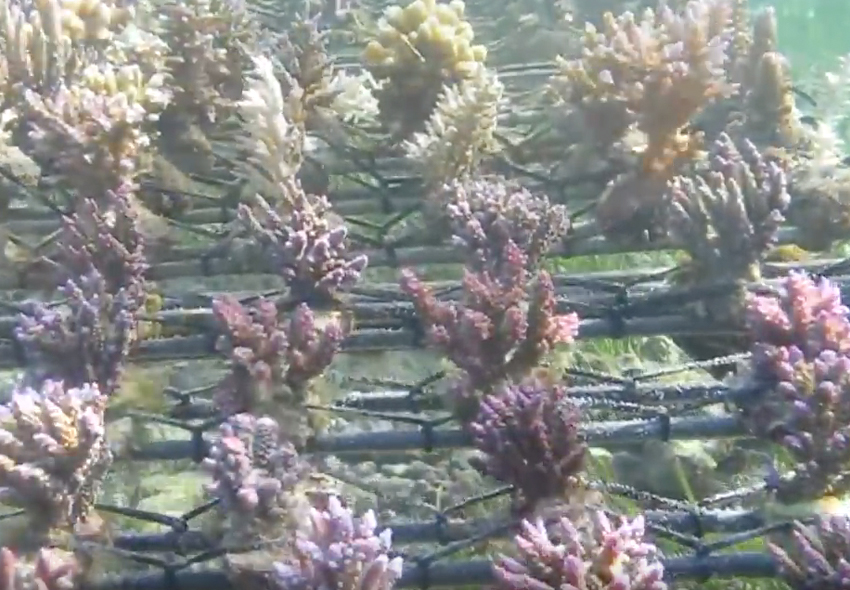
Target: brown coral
{"x": 650, "y": 75}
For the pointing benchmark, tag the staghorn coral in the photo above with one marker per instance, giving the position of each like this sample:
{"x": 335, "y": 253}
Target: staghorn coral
{"x": 270, "y": 357}
{"x": 304, "y": 249}
{"x": 802, "y": 359}
{"x": 593, "y": 555}
{"x": 52, "y": 569}
{"x": 529, "y": 435}
{"x": 460, "y": 132}
{"x": 339, "y": 551}
{"x": 500, "y": 329}
{"x": 53, "y": 452}
{"x": 819, "y": 556}
{"x": 417, "y": 52}
{"x": 254, "y": 472}
{"x": 649, "y": 75}
{"x": 484, "y": 214}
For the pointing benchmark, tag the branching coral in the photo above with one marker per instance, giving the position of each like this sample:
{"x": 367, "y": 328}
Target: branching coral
{"x": 593, "y": 555}
{"x": 52, "y": 569}
{"x": 419, "y": 50}
{"x": 340, "y": 551}
{"x": 818, "y": 557}
{"x": 94, "y": 140}
{"x": 802, "y": 355}
{"x": 460, "y": 131}
{"x": 275, "y": 141}
{"x": 87, "y": 340}
{"x": 267, "y": 353}
{"x": 725, "y": 216}
{"x": 485, "y": 214}
{"x": 304, "y": 248}
{"x": 47, "y": 42}
{"x": 653, "y": 74}
{"x": 206, "y": 61}
{"x": 53, "y": 454}
{"x": 499, "y": 330}
{"x": 254, "y": 473}
{"x": 530, "y": 437}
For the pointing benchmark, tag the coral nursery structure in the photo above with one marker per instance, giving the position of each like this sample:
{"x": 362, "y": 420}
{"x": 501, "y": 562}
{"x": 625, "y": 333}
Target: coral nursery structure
{"x": 328, "y": 296}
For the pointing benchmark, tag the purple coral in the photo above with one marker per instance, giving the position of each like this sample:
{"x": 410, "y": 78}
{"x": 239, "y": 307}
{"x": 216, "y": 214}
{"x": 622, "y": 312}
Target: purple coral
{"x": 341, "y": 552}
{"x": 53, "y": 569}
{"x": 802, "y": 353}
{"x": 727, "y": 216}
{"x": 501, "y": 328}
{"x": 267, "y": 351}
{"x": 594, "y": 555}
{"x": 484, "y": 215}
{"x": 53, "y": 452}
{"x": 809, "y": 315}
{"x": 253, "y": 469}
{"x": 86, "y": 340}
{"x": 106, "y": 235}
{"x": 818, "y": 557}
{"x": 310, "y": 255}
{"x": 530, "y": 436}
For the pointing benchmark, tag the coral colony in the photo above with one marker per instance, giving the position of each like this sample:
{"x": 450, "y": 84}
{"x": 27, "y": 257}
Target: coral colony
{"x": 673, "y": 127}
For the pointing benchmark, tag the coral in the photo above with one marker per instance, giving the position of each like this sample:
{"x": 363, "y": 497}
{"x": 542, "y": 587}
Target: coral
{"x": 727, "y": 216}
{"x": 419, "y": 50}
{"x": 275, "y": 140}
{"x": 254, "y": 472}
{"x": 47, "y": 42}
{"x": 460, "y": 132}
{"x": 53, "y": 454}
{"x": 206, "y": 60}
{"x": 656, "y": 72}
{"x": 85, "y": 341}
{"x": 819, "y": 556}
{"x": 483, "y": 215}
{"x": 304, "y": 249}
{"x": 106, "y": 235}
{"x": 94, "y": 135}
{"x": 339, "y": 551}
{"x": 652, "y": 76}
{"x": 267, "y": 353}
{"x": 594, "y": 555}
{"x": 52, "y": 569}
{"x": 802, "y": 355}
{"x": 500, "y": 329}
{"x": 530, "y": 437}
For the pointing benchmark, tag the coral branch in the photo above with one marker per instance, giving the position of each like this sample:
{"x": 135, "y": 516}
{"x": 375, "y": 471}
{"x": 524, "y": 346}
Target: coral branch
{"x": 340, "y": 551}
{"x": 310, "y": 255}
{"x": 803, "y": 350}
{"x": 588, "y": 555}
{"x": 53, "y": 454}
{"x": 267, "y": 352}
{"x": 817, "y": 557}
{"x": 500, "y": 329}
{"x": 254, "y": 472}
{"x": 529, "y": 434}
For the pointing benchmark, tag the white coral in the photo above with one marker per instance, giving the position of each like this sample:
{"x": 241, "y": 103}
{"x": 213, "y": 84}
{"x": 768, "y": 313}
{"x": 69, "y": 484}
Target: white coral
{"x": 276, "y": 143}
